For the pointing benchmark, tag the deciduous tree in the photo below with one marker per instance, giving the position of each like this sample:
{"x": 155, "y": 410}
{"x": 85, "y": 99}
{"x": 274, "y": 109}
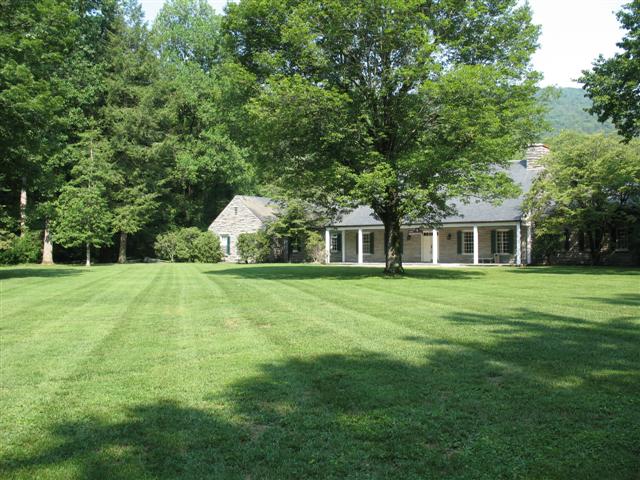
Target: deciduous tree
{"x": 396, "y": 104}
{"x": 613, "y": 84}
{"x": 591, "y": 184}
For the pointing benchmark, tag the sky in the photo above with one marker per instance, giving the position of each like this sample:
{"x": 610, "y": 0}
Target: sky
{"x": 574, "y": 33}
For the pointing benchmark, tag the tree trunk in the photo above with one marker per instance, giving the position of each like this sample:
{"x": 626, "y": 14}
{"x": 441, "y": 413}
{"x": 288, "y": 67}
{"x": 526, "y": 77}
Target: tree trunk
{"x": 88, "y": 262}
{"x": 393, "y": 245}
{"x": 23, "y": 206}
{"x": 47, "y": 246}
{"x": 595, "y": 247}
{"x": 122, "y": 255}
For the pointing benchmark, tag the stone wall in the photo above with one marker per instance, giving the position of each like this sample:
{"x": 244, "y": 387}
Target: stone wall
{"x": 236, "y": 218}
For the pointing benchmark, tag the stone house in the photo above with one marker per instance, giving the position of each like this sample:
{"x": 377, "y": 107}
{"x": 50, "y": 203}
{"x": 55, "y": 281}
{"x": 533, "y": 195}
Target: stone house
{"x": 480, "y": 233}
{"x": 243, "y": 214}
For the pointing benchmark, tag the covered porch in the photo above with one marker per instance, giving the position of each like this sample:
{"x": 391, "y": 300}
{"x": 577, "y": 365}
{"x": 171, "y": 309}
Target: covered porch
{"x": 496, "y": 243}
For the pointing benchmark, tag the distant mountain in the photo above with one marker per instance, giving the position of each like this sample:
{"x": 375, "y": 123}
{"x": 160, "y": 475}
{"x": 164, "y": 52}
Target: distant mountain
{"x": 567, "y": 112}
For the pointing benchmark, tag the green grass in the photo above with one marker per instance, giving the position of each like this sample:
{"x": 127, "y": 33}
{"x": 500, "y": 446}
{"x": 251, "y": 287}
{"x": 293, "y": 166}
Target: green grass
{"x": 228, "y": 371}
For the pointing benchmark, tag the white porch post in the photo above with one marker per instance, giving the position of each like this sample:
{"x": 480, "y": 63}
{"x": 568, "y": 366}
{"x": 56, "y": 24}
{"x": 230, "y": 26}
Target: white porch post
{"x": 360, "y": 246}
{"x": 518, "y": 245}
{"x": 529, "y": 242}
{"x": 327, "y": 245}
{"x": 476, "y": 245}
{"x": 343, "y": 247}
{"x": 434, "y": 247}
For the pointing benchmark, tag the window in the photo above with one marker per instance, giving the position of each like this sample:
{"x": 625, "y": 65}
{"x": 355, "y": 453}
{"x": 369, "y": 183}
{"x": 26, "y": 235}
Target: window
{"x": 467, "y": 242}
{"x": 295, "y": 245}
{"x": 502, "y": 241}
{"x": 336, "y": 242}
{"x": 225, "y": 241}
{"x": 367, "y": 243}
{"x": 622, "y": 239}
{"x": 235, "y": 210}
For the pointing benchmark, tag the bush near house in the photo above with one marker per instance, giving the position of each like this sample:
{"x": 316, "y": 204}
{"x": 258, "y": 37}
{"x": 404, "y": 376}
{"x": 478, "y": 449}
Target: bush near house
{"x": 254, "y": 247}
{"x": 188, "y": 245}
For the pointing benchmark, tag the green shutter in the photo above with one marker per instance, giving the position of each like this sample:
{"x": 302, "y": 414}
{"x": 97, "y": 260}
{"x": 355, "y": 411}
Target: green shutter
{"x": 228, "y": 247}
{"x": 371, "y": 243}
{"x": 494, "y": 241}
{"x": 339, "y": 241}
{"x": 511, "y": 235}
{"x": 459, "y": 235}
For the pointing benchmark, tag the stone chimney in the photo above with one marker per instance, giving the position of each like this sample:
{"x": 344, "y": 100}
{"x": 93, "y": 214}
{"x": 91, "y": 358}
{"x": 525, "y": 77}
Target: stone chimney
{"x": 534, "y": 153}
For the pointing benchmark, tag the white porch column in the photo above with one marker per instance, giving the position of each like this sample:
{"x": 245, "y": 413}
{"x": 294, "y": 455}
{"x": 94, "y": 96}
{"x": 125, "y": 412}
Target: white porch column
{"x": 434, "y": 247}
{"x": 360, "y": 247}
{"x": 529, "y": 242}
{"x": 343, "y": 247}
{"x": 327, "y": 245}
{"x": 476, "y": 246}
{"x": 518, "y": 245}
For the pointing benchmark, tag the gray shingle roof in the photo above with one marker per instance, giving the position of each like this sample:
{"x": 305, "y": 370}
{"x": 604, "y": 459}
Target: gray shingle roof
{"x": 477, "y": 212}
{"x": 262, "y": 207}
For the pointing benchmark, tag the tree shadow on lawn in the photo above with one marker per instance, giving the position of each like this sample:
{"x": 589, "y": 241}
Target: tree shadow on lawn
{"x": 578, "y": 270}
{"x": 306, "y": 272}
{"x": 7, "y": 273}
{"x": 541, "y": 396}
{"x": 626, "y": 299}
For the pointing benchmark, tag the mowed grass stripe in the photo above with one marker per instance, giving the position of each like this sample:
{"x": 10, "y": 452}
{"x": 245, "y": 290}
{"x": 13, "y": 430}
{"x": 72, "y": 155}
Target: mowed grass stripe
{"x": 68, "y": 350}
{"x": 46, "y": 301}
{"x": 228, "y": 371}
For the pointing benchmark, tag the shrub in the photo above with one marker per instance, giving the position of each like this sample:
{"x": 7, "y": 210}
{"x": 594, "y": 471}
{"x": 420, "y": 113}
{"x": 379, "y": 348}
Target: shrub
{"x": 206, "y": 248}
{"x": 166, "y": 246}
{"x": 24, "y": 249}
{"x": 188, "y": 245}
{"x": 314, "y": 248}
{"x": 254, "y": 247}
{"x": 186, "y": 239}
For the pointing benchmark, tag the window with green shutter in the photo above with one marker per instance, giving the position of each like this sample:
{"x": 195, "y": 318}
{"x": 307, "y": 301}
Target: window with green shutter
{"x": 367, "y": 243}
{"x": 336, "y": 242}
{"x": 225, "y": 240}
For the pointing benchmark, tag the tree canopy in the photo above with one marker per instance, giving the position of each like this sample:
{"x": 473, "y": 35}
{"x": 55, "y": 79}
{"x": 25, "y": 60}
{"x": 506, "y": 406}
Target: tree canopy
{"x": 396, "y": 104}
{"x": 613, "y": 84}
{"x": 591, "y": 185}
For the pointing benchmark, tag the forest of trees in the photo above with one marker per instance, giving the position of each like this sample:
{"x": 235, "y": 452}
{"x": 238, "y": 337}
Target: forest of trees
{"x": 567, "y": 110}
{"x": 114, "y": 131}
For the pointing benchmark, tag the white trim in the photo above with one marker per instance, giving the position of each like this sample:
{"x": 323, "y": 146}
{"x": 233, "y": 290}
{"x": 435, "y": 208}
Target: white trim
{"x": 518, "y": 244}
{"x": 506, "y": 223}
{"x": 434, "y": 246}
{"x": 327, "y": 245}
{"x": 529, "y": 243}
{"x": 343, "y": 236}
{"x": 360, "y": 247}
{"x": 476, "y": 246}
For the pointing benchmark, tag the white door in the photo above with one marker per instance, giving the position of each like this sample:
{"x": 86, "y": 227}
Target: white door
{"x": 427, "y": 250}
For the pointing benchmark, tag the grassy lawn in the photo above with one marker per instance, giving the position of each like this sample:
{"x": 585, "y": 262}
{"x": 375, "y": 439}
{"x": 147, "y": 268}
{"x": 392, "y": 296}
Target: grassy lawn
{"x": 252, "y": 372}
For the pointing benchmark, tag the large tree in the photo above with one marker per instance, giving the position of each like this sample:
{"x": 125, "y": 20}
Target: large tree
{"x": 397, "y": 104}
{"x": 590, "y": 185}
{"x": 198, "y": 87}
{"x": 130, "y": 122}
{"x": 613, "y": 84}
{"x": 83, "y": 216}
